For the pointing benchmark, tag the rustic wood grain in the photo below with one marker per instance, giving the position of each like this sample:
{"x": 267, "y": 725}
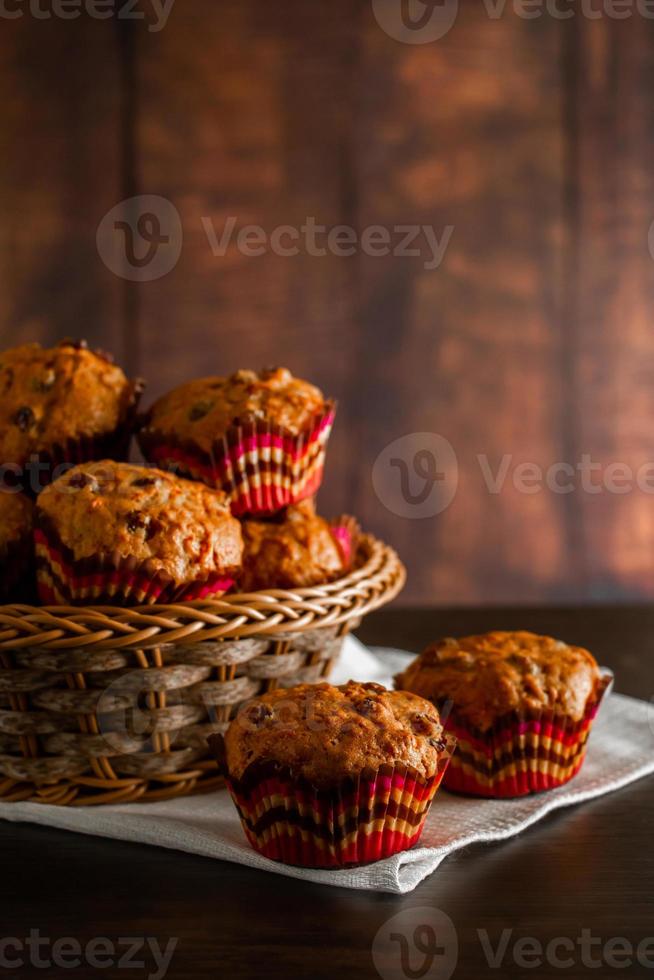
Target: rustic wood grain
{"x": 358, "y": 132}
{"x": 468, "y": 132}
{"x": 613, "y": 349}
{"x": 532, "y": 138}
{"x": 60, "y": 131}
{"x": 255, "y": 130}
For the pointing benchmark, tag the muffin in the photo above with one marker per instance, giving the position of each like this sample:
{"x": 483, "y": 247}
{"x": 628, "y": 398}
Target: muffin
{"x": 260, "y": 437}
{"x": 331, "y": 777}
{"x": 16, "y": 551}
{"x": 520, "y": 705}
{"x": 114, "y": 532}
{"x": 296, "y": 550}
{"x": 66, "y": 404}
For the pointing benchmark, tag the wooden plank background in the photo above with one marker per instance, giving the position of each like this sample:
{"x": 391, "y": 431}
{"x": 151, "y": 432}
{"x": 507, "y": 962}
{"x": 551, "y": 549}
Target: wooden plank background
{"x": 533, "y": 139}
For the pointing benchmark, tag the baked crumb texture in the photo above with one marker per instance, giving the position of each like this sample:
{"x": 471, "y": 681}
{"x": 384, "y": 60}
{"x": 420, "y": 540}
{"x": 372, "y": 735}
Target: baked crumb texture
{"x": 327, "y": 776}
{"x": 128, "y": 534}
{"x": 65, "y": 404}
{"x": 297, "y": 550}
{"x": 259, "y": 436}
{"x": 520, "y": 705}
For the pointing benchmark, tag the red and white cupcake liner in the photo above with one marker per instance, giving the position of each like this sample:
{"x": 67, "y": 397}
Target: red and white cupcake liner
{"x": 522, "y": 753}
{"x": 343, "y": 536}
{"x": 261, "y": 466}
{"x": 346, "y": 532}
{"x": 363, "y": 819}
{"x": 110, "y": 578}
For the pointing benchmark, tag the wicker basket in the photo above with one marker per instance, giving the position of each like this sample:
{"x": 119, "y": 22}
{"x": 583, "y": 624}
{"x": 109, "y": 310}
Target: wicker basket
{"x": 105, "y": 705}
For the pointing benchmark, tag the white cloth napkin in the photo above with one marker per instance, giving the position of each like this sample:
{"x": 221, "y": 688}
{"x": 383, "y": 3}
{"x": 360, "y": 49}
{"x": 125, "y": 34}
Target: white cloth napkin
{"x": 621, "y": 750}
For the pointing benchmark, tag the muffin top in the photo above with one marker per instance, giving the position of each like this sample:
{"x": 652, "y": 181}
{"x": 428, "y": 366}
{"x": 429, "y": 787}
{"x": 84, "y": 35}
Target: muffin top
{"x": 203, "y": 409}
{"x": 16, "y": 513}
{"x": 294, "y": 550}
{"x": 492, "y": 674}
{"x": 327, "y": 733}
{"x": 180, "y": 527}
{"x": 52, "y": 395}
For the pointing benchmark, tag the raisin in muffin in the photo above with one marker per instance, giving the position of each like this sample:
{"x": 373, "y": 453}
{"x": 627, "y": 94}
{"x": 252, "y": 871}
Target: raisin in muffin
{"x": 63, "y": 404}
{"x": 201, "y": 409}
{"x": 113, "y": 530}
{"x": 496, "y": 687}
{"x": 260, "y": 436}
{"x": 295, "y": 550}
{"x": 326, "y": 733}
{"x": 296, "y": 760}
{"x": 16, "y": 551}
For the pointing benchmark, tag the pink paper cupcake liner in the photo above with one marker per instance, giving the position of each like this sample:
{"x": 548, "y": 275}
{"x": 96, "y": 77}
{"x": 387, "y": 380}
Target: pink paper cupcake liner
{"x": 260, "y": 466}
{"x": 113, "y": 579}
{"x": 286, "y": 818}
{"x": 346, "y": 532}
{"x": 344, "y": 539}
{"x": 521, "y": 753}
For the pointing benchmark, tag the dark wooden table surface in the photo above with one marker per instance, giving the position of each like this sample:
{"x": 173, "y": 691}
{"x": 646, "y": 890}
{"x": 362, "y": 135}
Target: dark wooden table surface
{"x": 589, "y": 868}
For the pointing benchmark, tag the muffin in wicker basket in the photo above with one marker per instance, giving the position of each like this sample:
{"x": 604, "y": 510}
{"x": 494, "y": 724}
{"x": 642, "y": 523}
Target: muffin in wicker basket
{"x": 297, "y": 548}
{"x": 16, "y": 572}
{"x": 110, "y": 531}
{"x": 66, "y": 404}
{"x": 332, "y": 777}
{"x": 107, "y": 534}
{"x": 260, "y": 437}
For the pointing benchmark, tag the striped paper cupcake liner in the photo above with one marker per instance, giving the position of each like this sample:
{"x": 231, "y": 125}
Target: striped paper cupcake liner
{"x": 260, "y": 466}
{"x": 343, "y": 537}
{"x": 286, "y": 818}
{"x": 110, "y": 578}
{"x": 522, "y": 753}
{"x": 346, "y": 532}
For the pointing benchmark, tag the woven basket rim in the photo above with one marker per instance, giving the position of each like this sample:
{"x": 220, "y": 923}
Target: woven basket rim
{"x": 377, "y": 578}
